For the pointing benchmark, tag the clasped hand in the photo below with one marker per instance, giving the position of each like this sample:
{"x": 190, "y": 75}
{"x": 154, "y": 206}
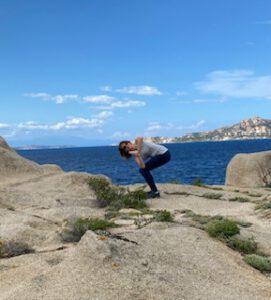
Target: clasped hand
{"x": 135, "y": 153}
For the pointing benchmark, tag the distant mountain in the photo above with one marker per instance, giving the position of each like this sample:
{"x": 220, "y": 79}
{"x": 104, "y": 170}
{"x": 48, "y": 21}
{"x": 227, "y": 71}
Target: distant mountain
{"x": 55, "y": 141}
{"x": 39, "y": 147}
{"x": 253, "y": 128}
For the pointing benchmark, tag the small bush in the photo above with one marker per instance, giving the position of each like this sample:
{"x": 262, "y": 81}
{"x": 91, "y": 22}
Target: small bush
{"x": 215, "y": 196}
{"x": 222, "y": 228}
{"x": 175, "y": 181}
{"x": 258, "y": 262}
{"x": 187, "y": 212}
{"x": 264, "y": 206}
{"x": 216, "y": 188}
{"x": 82, "y": 225}
{"x": 202, "y": 219}
{"x": 135, "y": 199}
{"x": 243, "y": 245}
{"x": 75, "y": 229}
{"x": 198, "y": 182}
{"x": 163, "y": 216}
{"x": 12, "y": 248}
{"x": 110, "y": 214}
{"x": 117, "y": 197}
{"x": 255, "y": 194}
{"x": 98, "y": 183}
{"x": 239, "y": 199}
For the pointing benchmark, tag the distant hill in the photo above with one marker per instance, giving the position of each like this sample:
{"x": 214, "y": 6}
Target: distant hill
{"x": 40, "y": 147}
{"x": 253, "y": 128}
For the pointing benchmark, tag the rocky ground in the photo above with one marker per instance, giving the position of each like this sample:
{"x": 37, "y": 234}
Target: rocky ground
{"x": 141, "y": 259}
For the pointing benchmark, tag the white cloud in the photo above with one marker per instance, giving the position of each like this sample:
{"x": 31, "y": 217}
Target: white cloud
{"x": 32, "y": 125}
{"x": 121, "y": 135}
{"x": 155, "y": 126}
{"x": 106, "y": 88}
{"x": 59, "y": 99}
{"x": 145, "y": 90}
{"x": 198, "y": 124}
{"x": 98, "y": 99}
{"x": 72, "y": 123}
{"x": 266, "y": 22}
{"x": 192, "y": 126}
{"x": 76, "y": 123}
{"x": 108, "y": 102}
{"x": 199, "y": 101}
{"x": 104, "y": 114}
{"x": 44, "y": 96}
{"x": 129, "y": 103}
{"x": 123, "y": 104}
{"x": 236, "y": 84}
{"x": 4, "y": 126}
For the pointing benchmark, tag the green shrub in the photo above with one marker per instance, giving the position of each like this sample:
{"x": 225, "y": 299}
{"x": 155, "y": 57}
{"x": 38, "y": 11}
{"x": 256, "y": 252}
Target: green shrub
{"x": 216, "y": 188}
{"x": 98, "y": 183}
{"x": 222, "y": 228}
{"x": 117, "y": 197}
{"x": 215, "y": 196}
{"x": 82, "y": 225}
{"x": 198, "y": 182}
{"x": 187, "y": 212}
{"x": 266, "y": 205}
{"x": 202, "y": 219}
{"x": 163, "y": 216}
{"x": 258, "y": 262}
{"x": 255, "y": 194}
{"x": 239, "y": 199}
{"x": 175, "y": 181}
{"x": 243, "y": 245}
{"x": 12, "y": 248}
{"x": 75, "y": 229}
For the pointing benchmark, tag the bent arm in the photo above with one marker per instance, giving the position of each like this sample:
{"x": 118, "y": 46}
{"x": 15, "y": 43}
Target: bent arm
{"x": 139, "y": 142}
{"x": 139, "y": 161}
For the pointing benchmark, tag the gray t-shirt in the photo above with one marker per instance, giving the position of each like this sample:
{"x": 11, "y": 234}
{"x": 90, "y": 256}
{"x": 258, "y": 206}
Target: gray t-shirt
{"x": 150, "y": 149}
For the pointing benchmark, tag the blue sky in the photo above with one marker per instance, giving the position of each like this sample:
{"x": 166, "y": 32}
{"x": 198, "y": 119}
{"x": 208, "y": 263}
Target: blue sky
{"x": 86, "y": 72}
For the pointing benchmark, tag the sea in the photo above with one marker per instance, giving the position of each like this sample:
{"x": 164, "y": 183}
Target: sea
{"x": 189, "y": 161}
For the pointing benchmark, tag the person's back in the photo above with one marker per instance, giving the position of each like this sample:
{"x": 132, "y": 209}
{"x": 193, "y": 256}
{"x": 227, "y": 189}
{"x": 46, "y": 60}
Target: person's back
{"x": 149, "y": 149}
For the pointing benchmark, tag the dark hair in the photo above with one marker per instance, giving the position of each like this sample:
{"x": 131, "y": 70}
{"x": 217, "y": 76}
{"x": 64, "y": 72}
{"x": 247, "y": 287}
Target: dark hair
{"x": 123, "y": 151}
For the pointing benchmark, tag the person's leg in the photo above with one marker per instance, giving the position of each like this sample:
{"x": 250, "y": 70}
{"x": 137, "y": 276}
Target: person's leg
{"x": 149, "y": 179}
{"x": 158, "y": 161}
{"x": 153, "y": 163}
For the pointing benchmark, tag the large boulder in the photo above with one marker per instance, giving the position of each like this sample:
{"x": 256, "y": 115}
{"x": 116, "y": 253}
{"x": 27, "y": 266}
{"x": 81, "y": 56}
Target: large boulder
{"x": 3, "y": 144}
{"x": 249, "y": 170}
{"x": 12, "y": 164}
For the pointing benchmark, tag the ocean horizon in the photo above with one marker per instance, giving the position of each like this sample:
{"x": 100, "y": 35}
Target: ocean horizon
{"x": 190, "y": 160}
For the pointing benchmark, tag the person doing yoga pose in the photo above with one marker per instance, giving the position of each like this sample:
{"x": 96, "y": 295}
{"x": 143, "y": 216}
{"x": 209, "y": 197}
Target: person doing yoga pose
{"x": 148, "y": 156}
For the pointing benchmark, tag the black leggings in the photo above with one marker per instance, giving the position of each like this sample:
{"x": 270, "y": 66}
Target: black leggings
{"x": 151, "y": 164}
